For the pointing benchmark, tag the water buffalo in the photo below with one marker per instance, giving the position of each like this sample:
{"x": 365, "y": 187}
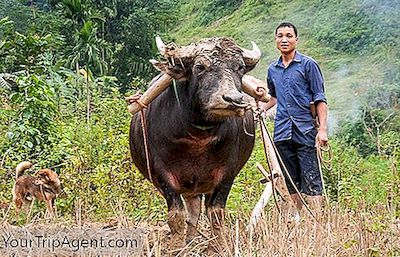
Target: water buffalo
{"x": 200, "y": 131}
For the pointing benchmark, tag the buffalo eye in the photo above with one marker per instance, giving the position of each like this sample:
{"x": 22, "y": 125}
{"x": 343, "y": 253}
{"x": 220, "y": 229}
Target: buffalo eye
{"x": 242, "y": 67}
{"x": 198, "y": 68}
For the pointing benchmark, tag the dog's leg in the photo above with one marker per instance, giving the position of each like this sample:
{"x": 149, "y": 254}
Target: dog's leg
{"x": 18, "y": 205}
{"x": 54, "y": 207}
{"x": 30, "y": 210}
{"x": 6, "y": 214}
{"x": 49, "y": 206}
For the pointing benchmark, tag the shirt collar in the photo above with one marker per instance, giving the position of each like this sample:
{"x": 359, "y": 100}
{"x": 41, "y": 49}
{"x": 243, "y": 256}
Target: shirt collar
{"x": 297, "y": 58}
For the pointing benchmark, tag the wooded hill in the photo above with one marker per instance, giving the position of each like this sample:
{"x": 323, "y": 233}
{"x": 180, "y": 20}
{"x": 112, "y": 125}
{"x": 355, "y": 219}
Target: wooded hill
{"x": 355, "y": 42}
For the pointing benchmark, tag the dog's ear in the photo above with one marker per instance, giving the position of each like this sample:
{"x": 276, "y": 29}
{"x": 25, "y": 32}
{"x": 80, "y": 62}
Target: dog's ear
{"x": 42, "y": 178}
{"x": 39, "y": 181}
{"x": 43, "y": 175}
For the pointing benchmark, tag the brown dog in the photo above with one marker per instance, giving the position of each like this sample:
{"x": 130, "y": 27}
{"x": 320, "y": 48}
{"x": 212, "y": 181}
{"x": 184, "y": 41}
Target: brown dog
{"x": 45, "y": 186}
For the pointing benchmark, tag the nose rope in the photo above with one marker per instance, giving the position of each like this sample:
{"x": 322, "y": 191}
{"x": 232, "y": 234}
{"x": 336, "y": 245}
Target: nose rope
{"x": 245, "y": 130}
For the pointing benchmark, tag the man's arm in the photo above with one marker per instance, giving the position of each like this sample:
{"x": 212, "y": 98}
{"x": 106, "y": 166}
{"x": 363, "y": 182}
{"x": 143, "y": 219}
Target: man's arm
{"x": 322, "y": 112}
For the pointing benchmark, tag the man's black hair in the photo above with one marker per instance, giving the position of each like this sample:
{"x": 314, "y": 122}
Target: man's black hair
{"x": 286, "y": 24}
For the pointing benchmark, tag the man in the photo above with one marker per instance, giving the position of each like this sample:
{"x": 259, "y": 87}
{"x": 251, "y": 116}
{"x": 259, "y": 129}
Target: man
{"x": 294, "y": 81}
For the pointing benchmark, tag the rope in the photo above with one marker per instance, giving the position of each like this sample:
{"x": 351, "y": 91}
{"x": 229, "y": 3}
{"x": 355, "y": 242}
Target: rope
{"x": 136, "y": 99}
{"x": 269, "y": 163}
{"x": 176, "y": 93}
{"x": 258, "y": 113}
{"x": 325, "y": 154}
{"x": 145, "y": 140}
{"x": 288, "y": 175}
{"x": 326, "y": 163}
{"x": 143, "y": 105}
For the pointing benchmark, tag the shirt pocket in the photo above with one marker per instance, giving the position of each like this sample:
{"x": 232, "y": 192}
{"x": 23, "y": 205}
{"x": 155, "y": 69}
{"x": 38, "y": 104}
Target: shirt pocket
{"x": 299, "y": 89}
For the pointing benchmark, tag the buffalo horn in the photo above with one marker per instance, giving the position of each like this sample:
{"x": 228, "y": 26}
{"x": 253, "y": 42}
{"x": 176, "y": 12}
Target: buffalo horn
{"x": 160, "y": 45}
{"x": 252, "y": 57}
{"x": 250, "y": 85}
{"x": 151, "y": 93}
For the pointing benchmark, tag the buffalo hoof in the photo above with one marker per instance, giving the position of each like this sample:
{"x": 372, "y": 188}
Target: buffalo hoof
{"x": 177, "y": 224}
{"x": 192, "y": 234}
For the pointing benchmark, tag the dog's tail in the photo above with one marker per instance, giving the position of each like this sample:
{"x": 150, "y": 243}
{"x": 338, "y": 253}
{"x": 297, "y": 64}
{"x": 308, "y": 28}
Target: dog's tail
{"x": 20, "y": 169}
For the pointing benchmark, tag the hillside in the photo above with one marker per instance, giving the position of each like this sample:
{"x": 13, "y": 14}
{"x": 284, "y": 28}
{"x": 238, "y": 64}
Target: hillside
{"x": 355, "y": 42}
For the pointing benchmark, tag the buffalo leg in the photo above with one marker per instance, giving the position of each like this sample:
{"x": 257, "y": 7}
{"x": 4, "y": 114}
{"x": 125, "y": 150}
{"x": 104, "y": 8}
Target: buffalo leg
{"x": 215, "y": 204}
{"x": 193, "y": 206}
{"x": 176, "y": 217}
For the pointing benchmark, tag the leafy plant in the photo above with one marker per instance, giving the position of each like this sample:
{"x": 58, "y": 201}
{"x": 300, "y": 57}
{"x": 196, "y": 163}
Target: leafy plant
{"x": 32, "y": 132}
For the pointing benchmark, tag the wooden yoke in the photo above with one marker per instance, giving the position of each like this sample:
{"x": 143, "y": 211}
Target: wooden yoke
{"x": 138, "y": 103}
{"x": 250, "y": 85}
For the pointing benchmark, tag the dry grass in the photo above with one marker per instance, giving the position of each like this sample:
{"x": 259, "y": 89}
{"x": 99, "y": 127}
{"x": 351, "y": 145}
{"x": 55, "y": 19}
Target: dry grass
{"x": 338, "y": 233}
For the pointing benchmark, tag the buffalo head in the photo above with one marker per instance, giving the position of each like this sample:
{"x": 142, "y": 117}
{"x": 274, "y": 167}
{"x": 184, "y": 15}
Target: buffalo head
{"x": 214, "y": 68}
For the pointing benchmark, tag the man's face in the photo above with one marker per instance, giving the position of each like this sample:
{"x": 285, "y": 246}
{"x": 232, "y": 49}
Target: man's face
{"x": 286, "y": 40}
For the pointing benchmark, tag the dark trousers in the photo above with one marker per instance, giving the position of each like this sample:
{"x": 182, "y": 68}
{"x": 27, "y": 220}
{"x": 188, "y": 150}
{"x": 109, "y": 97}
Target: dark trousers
{"x": 302, "y": 165}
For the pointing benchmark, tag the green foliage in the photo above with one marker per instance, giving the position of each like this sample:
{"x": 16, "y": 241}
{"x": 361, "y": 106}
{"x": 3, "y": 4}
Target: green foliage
{"x": 17, "y": 12}
{"x": 89, "y": 51}
{"x": 24, "y": 52}
{"x": 32, "y": 132}
{"x": 108, "y": 44}
{"x": 377, "y": 130}
{"x": 135, "y": 49}
{"x": 355, "y": 180}
{"x": 217, "y": 9}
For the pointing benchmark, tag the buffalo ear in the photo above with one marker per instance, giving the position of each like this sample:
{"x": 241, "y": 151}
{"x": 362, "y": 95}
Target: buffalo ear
{"x": 160, "y": 66}
{"x": 175, "y": 71}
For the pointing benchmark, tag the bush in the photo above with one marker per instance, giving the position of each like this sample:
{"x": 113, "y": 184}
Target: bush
{"x": 32, "y": 131}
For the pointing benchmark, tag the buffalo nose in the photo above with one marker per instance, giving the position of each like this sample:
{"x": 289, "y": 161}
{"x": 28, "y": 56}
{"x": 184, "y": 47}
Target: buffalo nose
{"x": 234, "y": 97}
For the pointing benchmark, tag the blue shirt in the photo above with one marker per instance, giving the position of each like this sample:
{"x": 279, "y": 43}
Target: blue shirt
{"x": 295, "y": 87}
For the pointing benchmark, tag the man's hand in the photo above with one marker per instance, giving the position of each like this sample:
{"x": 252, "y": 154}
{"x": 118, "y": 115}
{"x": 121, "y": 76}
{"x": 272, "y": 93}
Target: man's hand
{"x": 321, "y": 138}
{"x": 261, "y": 92}
{"x": 322, "y": 113}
